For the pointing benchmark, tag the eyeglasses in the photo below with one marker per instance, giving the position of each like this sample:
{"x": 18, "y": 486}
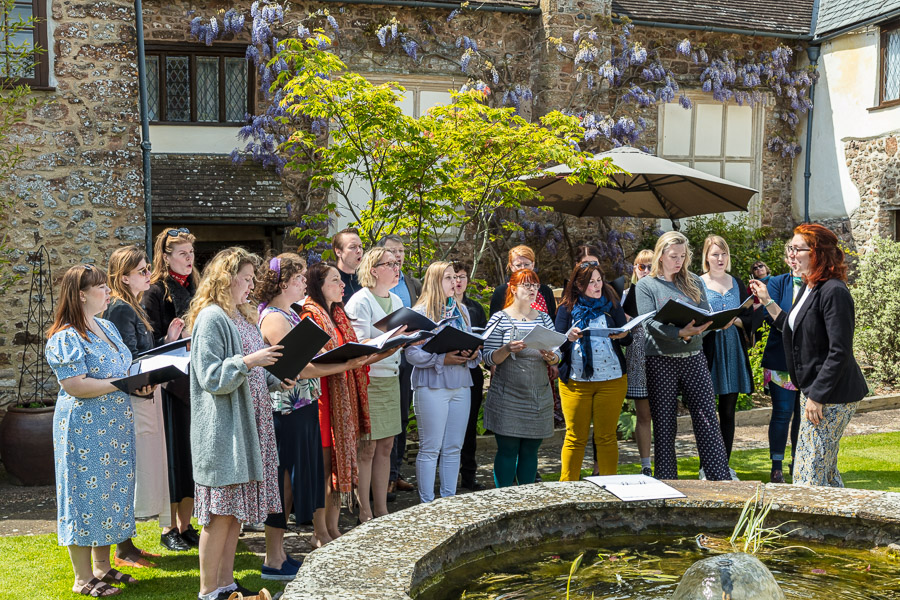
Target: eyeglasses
{"x": 144, "y": 272}
{"x": 459, "y": 278}
{"x": 643, "y": 267}
{"x": 796, "y": 250}
{"x": 759, "y": 266}
{"x": 523, "y": 265}
{"x": 389, "y": 265}
{"x": 529, "y": 286}
{"x": 179, "y": 231}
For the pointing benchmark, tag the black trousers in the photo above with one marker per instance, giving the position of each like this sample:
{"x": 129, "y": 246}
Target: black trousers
{"x": 468, "y": 465}
{"x": 398, "y": 452}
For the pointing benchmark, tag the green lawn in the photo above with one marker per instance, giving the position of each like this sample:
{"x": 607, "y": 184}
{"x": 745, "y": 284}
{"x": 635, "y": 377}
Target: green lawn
{"x": 36, "y": 567}
{"x": 869, "y": 462}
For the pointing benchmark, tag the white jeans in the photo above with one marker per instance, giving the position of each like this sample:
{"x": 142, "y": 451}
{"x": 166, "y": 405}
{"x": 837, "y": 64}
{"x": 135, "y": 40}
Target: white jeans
{"x": 442, "y": 417}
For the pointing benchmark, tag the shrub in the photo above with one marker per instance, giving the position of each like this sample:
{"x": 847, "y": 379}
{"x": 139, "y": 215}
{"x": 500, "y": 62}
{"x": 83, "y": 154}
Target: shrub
{"x": 746, "y": 242}
{"x": 876, "y": 293}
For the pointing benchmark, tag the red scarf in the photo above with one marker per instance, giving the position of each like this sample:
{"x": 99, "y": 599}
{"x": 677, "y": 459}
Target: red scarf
{"x": 540, "y": 304}
{"x": 182, "y": 279}
{"x": 349, "y": 398}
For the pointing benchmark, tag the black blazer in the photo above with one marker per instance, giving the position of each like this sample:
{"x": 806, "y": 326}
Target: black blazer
{"x": 164, "y": 301}
{"x": 615, "y": 318}
{"x": 745, "y": 333}
{"x": 819, "y": 349}
{"x": 133, "y": 331}
{"x": 499, "y": 297}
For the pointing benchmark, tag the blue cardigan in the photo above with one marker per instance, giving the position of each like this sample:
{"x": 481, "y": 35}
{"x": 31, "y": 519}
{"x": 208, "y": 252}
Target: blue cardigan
{"x": 781, "y": 290}
{"x": 614, "y": 318}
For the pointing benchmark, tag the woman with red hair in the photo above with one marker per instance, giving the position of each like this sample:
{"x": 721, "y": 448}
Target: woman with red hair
{"x": 818, "y": 343}
{"x": 519, "y": 403}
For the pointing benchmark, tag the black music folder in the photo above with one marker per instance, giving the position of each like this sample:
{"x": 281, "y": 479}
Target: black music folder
{"x": 680, "y": 314}
{"x": 132, "y": 383}
{"x": 165, "y": 348}
{"x": 301, "y": 344}
{"x": 406, "y": 316}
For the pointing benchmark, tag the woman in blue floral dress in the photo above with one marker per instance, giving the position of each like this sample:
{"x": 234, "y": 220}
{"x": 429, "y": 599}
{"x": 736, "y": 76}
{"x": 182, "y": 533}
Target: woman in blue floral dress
{"x": 93, "y": 432}
{"x": 726, "y": 349}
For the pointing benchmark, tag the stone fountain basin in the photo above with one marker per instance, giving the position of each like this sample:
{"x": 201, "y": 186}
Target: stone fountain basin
{"x": 398, "y": 556}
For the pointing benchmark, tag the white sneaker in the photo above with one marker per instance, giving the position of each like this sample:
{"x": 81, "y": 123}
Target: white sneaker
{"x": 734, "y": 476}
{"x": 702, "y": 474}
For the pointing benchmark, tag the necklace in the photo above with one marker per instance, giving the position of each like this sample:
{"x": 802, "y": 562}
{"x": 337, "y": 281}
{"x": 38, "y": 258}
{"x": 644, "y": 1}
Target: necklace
{"x": 520, "y": 316}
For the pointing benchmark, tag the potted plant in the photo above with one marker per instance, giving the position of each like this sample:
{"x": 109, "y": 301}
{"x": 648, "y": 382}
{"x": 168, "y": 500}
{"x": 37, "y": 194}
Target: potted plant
{"x": 26, "y": 432}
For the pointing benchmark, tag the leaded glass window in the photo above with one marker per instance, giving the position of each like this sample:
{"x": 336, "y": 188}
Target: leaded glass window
{"x": 891, "y": 65}
{"x": 178, "y": 88}
{"x": 198, "y": 84}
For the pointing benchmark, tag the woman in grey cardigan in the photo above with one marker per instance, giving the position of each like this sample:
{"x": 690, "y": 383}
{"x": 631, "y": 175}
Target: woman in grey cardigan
{"x": 232, "y": 436}
{"x": 676, "y": 363}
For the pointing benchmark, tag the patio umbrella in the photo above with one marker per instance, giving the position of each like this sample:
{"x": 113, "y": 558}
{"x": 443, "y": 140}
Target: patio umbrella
{"x": 651, "y": 187}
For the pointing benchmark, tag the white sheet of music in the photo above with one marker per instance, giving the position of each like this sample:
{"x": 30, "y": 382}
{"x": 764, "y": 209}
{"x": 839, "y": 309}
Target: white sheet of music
{"x": 635, "y": 487}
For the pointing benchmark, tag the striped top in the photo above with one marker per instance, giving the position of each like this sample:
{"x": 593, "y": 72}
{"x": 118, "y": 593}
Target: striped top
{"x": 509, "y": 330}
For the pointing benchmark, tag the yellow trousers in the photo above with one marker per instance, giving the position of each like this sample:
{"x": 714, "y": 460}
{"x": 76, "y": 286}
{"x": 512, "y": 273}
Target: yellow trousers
{"x": 582, "y": 403}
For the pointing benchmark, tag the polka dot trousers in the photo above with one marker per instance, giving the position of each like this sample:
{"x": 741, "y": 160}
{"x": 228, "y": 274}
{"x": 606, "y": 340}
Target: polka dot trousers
{"x": 666, "y": 377}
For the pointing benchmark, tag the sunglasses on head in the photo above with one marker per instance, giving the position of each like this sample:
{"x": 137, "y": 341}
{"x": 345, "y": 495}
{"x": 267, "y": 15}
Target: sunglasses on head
{"x": 588, "y": 263}
{"x": 179, "y": 231}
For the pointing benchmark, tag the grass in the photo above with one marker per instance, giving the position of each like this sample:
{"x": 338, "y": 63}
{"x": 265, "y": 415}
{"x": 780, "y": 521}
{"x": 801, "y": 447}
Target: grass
{"x": 36, "y": 567}
{"x": 869, "y": 462}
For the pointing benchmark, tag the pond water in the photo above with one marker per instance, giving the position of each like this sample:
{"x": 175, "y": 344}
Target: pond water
{"x": 649, "y": 568}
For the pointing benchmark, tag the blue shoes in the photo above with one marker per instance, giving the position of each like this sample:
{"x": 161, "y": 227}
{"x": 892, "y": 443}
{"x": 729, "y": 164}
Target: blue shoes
{"x": 287, "y": 572}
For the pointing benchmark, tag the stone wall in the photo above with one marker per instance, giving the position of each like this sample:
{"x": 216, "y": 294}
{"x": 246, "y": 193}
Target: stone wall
{"x": 78, "y": 190}
{"x": 874, "y": 167}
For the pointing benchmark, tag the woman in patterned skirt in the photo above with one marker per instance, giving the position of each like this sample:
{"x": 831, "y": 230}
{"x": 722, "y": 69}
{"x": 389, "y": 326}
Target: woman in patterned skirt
{"x": 818, "y": 344}
{"x": 232, "y": 437}
{"x": 93, "y": 432}
{"x": 301, "y": 472}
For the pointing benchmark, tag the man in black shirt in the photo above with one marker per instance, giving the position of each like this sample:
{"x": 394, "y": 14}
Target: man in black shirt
{"x": 348, "y": 248}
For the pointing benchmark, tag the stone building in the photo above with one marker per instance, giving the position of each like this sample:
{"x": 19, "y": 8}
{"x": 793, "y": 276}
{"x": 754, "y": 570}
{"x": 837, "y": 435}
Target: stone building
{"x": 854, "y": 182}
{"x": 80, "y": 189}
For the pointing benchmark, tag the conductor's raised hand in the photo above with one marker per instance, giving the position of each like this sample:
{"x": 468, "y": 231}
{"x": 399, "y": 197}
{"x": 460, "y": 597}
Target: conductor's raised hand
{"x": 760, "y": 290}
{"x": 265, "y": 357}
{"x": 175, "y": 329}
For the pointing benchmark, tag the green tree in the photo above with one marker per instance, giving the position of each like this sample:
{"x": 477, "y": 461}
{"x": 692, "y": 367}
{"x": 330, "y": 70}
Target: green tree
{"x": 439, "y": 179}
{"x": 876, "y": 294}
{"x": 17, "y": 60}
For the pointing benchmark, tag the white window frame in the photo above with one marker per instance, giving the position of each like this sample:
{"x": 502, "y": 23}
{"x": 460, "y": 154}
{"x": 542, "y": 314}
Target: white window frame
{"x": 757, "y": 145}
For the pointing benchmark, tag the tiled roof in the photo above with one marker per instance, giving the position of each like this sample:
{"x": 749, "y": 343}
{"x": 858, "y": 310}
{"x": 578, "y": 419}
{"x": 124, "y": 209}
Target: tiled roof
{"x": 838, "y": 14}
{"x": 210, "y": 188}
{"x": 782, "y": 16}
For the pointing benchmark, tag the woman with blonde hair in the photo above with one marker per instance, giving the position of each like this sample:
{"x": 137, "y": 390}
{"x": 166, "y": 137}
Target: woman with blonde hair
{"x": 378, "y": 272}
{"x": 173, "y": 282}
{"x": 129, "y": 278}
{"x": 636, "y": 362}
{"x": 726, "y": 350}
{"x": 442, "y": 385}
{"x": 93, "y": 432}
{"x": 675, "y": 361}
{"x": 233, "y": 447}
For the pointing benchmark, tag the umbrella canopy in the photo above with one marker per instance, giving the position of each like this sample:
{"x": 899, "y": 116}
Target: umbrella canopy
{"x": 651, "y": 187}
